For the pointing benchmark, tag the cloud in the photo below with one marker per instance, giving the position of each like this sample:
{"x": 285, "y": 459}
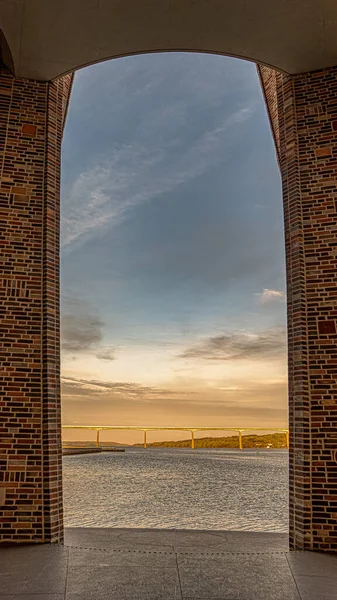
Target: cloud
{"x": 130, "y": 79}
{"x": 128, "y": 390}
{"x": 268, "y": 296}
{"x": 82, "y": 332}
{"x": 106, "y": 354}
{"x": 138, "y": 172}
{"x": 93, "y": 402}
{"x": 264, "y": 345}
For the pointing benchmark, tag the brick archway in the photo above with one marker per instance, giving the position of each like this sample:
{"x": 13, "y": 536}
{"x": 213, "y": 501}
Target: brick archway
{"x": 303, "y": 114}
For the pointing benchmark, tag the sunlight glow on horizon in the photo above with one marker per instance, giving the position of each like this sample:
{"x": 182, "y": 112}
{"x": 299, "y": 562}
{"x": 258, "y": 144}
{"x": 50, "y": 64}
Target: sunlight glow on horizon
{"x": 173, "y": 301}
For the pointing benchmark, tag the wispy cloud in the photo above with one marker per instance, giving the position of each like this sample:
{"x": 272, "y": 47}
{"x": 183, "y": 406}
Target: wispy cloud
{"x": 136, "y": 173}
{"x": 268, "y": 296}
{"x": 129, "y": 390}
{"x": 105, "y": 354}
{"x": 82, "y": 332}
{"x": 131, "y": 403}
{"x": 268, "y": 344}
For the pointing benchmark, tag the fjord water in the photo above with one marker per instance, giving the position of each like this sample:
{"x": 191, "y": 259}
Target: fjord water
{"x": 178, "y": 488}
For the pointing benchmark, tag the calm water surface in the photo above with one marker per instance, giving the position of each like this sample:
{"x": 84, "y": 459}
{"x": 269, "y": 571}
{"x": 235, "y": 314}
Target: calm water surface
{"x": 173, "y": 488}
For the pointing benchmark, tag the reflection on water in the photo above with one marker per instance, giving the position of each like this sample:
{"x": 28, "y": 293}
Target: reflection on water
{"x": 173, "y": 488}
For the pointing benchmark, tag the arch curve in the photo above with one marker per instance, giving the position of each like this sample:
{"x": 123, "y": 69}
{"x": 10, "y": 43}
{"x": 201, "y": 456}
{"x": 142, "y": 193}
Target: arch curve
{"x": 53, "y": 37}
{"x": 165, "y": 51}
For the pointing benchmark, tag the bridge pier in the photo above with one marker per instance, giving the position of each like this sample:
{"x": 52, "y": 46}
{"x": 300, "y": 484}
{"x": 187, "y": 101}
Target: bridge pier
{"x": 97, "y": 438}
{"x": 240, "y": 440}
{"x": 145, "y": 443}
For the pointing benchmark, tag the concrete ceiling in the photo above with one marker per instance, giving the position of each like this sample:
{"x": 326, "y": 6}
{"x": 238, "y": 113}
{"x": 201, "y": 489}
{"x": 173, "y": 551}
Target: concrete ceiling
{"x": 47, "y": 38}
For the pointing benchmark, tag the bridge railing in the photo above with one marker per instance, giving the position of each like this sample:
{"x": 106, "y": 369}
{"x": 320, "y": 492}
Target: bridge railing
{"x": 191, "y": 430}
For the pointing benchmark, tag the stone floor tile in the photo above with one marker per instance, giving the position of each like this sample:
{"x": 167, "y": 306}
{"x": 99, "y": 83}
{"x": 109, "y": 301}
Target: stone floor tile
{"x": 74, "y": 536}
{"x": 237, "y": 577}
{"x": 143, "y": 558}
{"x": 256, "y": 541}
{"x": 27, "y": 555}
{"x": 175, "y": 538}
{"x": 122, "y": 583}
{"x": 313, "y": 563}
{"x": 33, "y": 597}
{"x": 316, "y": 588}
{"x": 33, "y": 570}
{"x": 101, "y": 537}
{"x": 133, "y": 564}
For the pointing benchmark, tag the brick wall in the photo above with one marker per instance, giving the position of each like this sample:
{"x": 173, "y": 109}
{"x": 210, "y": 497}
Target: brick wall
{"x": 303, "y": 113}
{"x": 31, "y": 123}
{"x": 303, "y": 109}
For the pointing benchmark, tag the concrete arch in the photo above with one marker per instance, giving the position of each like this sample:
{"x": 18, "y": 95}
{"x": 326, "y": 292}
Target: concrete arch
{"x": 166, "y": 51}
{"x": 52, "y": 37}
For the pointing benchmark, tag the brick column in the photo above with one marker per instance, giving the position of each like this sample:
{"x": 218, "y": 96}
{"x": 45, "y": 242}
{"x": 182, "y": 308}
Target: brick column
{"x": 31, "y": 123}
{"x": 303, "y": 114}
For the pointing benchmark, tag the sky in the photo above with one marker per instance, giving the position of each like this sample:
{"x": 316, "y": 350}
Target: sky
{"x": 172, "y": 254}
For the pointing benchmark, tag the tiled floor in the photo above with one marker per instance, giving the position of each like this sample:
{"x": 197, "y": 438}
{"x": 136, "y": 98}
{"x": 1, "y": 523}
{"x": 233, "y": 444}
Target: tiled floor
{"x": 140, "y": 564}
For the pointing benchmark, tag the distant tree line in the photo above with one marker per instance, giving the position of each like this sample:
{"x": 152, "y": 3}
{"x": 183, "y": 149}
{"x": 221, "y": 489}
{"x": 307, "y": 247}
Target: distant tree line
{"x": 272, "y": 440}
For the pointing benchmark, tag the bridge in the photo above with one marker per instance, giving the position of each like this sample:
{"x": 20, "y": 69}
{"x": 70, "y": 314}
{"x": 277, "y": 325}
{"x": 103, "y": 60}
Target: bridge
{"x": 191, "y": 430}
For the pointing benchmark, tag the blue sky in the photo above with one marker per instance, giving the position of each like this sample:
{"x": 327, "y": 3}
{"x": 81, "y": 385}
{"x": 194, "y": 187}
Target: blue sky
{"x": 172, "y": 257}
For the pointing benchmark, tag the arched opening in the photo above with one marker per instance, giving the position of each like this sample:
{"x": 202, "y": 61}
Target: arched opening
{"x": 173, "y": 278}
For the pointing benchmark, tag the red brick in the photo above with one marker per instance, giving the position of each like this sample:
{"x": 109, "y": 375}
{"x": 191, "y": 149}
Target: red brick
{"x": 29, "y": 130}
{"x": 325, "y": 327}
{"x": 320, "y": 152}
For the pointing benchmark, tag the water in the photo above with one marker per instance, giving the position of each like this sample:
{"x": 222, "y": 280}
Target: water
{"x": 173, "y": 488}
